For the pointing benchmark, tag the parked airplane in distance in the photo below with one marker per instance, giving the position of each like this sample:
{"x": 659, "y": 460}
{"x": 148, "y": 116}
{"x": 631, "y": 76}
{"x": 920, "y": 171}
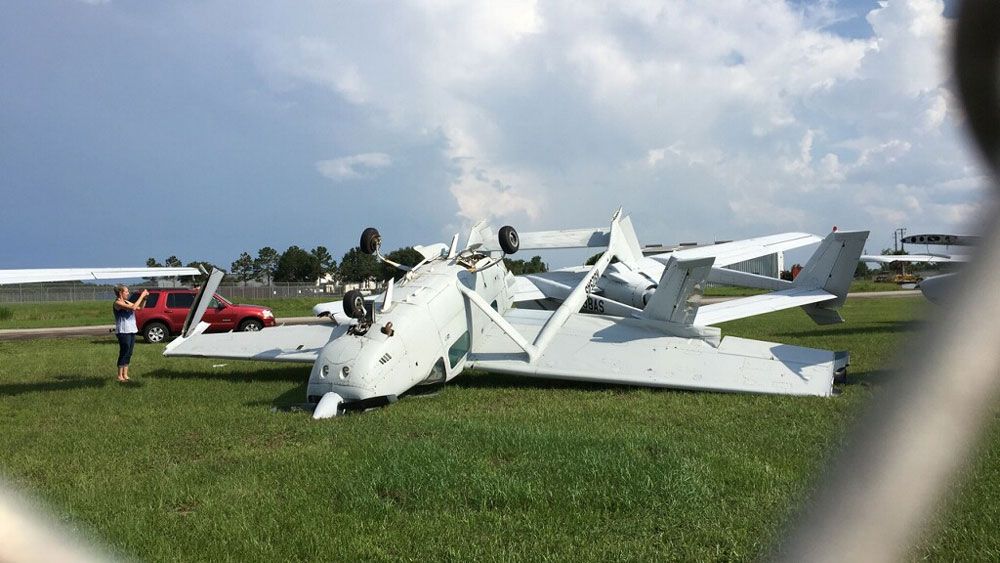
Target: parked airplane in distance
{"x": 935, "y": 288}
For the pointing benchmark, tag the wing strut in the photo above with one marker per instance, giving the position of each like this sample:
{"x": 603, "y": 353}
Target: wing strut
{"x": 618, "y": 246}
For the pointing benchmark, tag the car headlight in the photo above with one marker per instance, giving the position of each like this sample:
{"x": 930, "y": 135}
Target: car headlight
{"x": 268, "y": 314}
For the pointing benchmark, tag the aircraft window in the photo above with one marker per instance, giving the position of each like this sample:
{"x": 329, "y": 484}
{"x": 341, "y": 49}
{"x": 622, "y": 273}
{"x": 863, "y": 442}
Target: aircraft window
{"x": 494, "y": 305}
{"x": 459, "y": 349}
{"x": 180, "y": 300}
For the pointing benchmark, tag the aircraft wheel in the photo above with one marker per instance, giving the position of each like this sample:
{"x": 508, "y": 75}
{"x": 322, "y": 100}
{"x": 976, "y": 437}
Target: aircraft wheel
{"x": 250, "y": 325}
{"x": 371, "y": 240}
{"x": 354, "y": 304}
{"x": 840, "y": 376}
{"x": 509, "y": 241}
{"x": 155, "y": 333}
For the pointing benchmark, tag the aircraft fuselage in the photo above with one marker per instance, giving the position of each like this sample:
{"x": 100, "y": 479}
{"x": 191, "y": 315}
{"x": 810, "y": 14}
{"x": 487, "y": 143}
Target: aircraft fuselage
{"x": 432, "y": 328}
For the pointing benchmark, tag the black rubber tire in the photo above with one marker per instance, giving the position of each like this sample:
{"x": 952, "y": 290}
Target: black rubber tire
{"x": 509, "y": 241}
{"x": 371, "y": 240}
{"x": 250, "y": 325}
{"x": 354, "y": 304}
{"x": 155, "y": 332}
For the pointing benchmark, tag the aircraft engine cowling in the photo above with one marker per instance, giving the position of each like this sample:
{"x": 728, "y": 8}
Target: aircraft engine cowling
{"x": 633, "y": 292}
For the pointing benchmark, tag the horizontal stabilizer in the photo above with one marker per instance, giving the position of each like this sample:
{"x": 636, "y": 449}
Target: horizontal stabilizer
{"x": 733, "y": 309}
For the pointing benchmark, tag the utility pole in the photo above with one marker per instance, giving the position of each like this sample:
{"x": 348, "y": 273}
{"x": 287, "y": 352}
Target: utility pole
{"x": 897, "y": 242}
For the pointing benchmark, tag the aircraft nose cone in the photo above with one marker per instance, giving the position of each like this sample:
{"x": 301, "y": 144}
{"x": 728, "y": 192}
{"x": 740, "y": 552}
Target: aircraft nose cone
{"x": 343, "y": 350}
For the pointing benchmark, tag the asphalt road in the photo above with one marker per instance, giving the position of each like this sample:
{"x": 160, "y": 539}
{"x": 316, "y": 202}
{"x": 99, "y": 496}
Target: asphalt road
{"x": 99, "y": 330}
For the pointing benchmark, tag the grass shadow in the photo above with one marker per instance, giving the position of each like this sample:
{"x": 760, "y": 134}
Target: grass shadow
{"x": 109, "y": 340}
{"x": 488, "y": 380}
{"x": 875, "y": 378}
{"x": 62, "y": 383}
{"x": 295, "y": 374}
{"x": 294, "y": 397}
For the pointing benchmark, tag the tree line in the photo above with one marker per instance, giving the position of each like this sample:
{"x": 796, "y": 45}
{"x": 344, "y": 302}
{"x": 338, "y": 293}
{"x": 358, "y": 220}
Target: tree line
{"x": 298, "y": 265}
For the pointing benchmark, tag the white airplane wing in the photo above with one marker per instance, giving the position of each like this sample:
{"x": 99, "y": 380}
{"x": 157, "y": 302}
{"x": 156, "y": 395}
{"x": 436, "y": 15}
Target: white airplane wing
{"x": 300, "y": 343}
{"x": 929, "y": 258}
{"x": 566, "y": 238}
{"x": 87, "y": 274}
{"x": 601, "y": 349}
{"x": 526, "y": 290}
{"x": 728, "y": 253}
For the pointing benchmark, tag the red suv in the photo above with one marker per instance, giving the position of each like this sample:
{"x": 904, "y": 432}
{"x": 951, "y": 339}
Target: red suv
{"x": 166, "y": 310}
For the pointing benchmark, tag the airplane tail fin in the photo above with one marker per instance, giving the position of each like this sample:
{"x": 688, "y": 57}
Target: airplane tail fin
{"x": 831, "y": 269}
{"x": 681, "y": 279}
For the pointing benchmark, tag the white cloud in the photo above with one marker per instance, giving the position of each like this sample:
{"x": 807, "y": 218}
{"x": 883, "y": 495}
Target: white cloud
{"x": 351, "y": 167}
{"x": 592, "y": 104}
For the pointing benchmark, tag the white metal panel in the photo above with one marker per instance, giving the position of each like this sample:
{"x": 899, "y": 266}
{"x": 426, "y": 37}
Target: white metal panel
{"x": 737, "y": 251}
{"x": 525, "y": 290}
{"x": 758, "y": 305}
{"x": 623, "y": 351}
{"x": 300, "y": 343}
{"x": 86, "y": 274}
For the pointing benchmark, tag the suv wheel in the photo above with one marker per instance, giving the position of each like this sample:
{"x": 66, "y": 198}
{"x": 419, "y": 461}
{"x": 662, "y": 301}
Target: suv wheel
{"x": 251, "y": 325}
{"x": 155, "y": 333}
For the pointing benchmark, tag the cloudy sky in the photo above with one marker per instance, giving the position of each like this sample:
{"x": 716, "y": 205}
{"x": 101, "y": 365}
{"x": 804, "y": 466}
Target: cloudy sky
{"x": 131, "y": 129}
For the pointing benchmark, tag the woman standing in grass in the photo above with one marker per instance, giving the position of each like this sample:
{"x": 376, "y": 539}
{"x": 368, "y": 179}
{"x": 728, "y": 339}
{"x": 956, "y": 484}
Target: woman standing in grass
{"x": 125, "y": 328}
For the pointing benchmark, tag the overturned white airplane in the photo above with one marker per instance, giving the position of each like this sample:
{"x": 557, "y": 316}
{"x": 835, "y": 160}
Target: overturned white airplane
{"x": 455, "y": 310}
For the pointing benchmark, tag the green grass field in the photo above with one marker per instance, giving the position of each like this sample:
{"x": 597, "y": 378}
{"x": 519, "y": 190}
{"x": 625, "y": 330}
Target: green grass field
{"x": 200, "y": 461}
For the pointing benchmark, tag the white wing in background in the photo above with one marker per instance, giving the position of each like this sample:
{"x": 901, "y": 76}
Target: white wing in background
{"x": 728, "y": 253}
{"x": 88, "y": 274}
{"x": 301, "y": 343}
{"x": 928, "y": 258}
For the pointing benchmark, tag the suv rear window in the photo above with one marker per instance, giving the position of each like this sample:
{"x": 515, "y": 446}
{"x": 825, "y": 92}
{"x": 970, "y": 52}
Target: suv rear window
{"x": 180, "y": 300}
{"x": 151, "y": 299}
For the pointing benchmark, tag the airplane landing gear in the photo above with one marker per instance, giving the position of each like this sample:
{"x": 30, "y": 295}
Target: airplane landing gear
{"x": 371, "y": 240}
{"x": 509, "y": 241}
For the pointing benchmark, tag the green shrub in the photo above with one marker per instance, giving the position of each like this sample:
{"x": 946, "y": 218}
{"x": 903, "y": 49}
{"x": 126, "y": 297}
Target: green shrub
{"x": 5, "y": 314}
